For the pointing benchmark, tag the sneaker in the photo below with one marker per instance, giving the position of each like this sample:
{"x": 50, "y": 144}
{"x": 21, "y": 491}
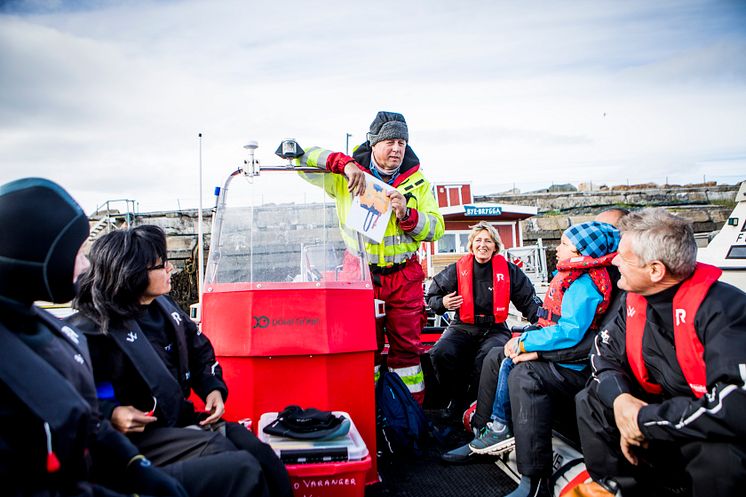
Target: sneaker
{"x": 458, "y": 455}
{"x": 495, "y": 438}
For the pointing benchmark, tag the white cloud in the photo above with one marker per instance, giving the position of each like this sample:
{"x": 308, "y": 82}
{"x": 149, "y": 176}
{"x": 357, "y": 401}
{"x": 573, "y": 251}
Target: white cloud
{"x": 108, "y": 97}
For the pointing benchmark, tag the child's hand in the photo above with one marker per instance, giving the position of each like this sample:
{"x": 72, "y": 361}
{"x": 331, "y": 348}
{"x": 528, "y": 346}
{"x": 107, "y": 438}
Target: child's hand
{"x": 512, "y": 348}
{"x": 526, "y": 356}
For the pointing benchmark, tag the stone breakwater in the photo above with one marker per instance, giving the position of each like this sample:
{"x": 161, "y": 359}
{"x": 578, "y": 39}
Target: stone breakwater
{"x": 707, "y": 207}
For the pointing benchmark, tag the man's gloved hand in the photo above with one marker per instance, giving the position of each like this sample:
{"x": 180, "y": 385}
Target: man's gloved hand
{"x": 147, "y": 479}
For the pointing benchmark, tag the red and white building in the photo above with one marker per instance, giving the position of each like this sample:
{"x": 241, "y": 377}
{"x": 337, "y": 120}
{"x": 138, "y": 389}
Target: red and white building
{"x": 460, "y": 212}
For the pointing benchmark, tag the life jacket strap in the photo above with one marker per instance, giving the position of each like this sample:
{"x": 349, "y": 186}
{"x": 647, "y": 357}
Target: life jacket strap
{"x": 548, "y": 315}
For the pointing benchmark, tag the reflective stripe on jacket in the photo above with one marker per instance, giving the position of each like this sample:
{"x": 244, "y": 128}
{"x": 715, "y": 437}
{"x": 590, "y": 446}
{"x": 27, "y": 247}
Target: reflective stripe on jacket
{"x": 398, "y": 244}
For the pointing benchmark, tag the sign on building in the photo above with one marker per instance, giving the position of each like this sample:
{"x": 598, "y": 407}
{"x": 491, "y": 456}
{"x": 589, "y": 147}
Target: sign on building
{"x": 473, "y": 210}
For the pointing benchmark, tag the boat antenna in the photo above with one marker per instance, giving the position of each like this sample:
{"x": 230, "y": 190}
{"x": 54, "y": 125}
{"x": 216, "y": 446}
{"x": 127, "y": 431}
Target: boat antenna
{"x": 200, "y": 242}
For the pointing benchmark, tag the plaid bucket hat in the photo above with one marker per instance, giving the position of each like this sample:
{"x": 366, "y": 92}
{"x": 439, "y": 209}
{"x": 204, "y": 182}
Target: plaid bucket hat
{"x": 594, "y": 239}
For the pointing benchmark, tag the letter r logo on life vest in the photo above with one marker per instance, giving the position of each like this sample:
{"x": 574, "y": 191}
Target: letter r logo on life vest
{"x": 680, "y": 316}
{"x": 177, "y": 318}
{"x": 500, "y": 277}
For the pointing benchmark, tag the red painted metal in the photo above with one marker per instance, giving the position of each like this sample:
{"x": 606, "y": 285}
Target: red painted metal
{"x": 309, "y": 344}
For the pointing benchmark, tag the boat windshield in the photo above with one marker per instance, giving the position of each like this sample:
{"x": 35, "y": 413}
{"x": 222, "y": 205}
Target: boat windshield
{"x": 280, "y": 228}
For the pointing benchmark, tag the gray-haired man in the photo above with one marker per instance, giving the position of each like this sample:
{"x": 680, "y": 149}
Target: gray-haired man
{"x": 666, "y": 402}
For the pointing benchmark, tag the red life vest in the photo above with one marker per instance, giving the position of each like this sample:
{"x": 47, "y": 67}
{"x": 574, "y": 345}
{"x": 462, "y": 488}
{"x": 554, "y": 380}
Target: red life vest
{"x": 500, "y": 288}
{"x": 570, "y": 270}
{"x": 689, "y": 350}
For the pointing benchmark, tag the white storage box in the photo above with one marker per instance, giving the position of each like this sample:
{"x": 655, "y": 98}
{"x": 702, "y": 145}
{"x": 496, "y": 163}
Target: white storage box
{"x": 349, "y": 447}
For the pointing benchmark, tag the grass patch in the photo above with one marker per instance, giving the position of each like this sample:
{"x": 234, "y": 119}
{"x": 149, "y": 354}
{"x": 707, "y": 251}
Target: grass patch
{"x": 730, "y": 204}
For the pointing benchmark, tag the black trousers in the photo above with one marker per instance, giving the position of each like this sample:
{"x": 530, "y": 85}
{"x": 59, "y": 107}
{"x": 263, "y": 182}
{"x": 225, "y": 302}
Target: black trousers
{"x": 457, "y": 358}
{"x": 230, "y": 474}
{"x": 707, "y": 468}
{"x": 541, "y": 398}
{"x": 229, "y": 462}
{"x": 274, "y": 470}
{"x": 487, "y": 387}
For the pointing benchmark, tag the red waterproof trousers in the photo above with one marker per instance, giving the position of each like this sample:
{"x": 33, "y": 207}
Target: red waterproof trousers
{"x": 405, "y": 317}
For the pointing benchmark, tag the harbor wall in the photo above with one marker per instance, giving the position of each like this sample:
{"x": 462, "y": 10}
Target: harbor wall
{"x": 707, "y": 206}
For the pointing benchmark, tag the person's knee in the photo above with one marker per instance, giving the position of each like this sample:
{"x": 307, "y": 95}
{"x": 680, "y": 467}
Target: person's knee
{"x": 442, "y": 353}
{"x": 714, "y": 461}
{"x": 245, "y": 461}
{"x": 241, "y": 437}
{"x": 590, "y": 410}
{"x": 436, "y": 353}
{"x": 493, "y": 359}
{"x": 228, "y": 473}
{"x": 581, "y": 402}
{"x": 494, "y": 342}
{"x": 494, "y": 355}
{"x": 524, "y": 379}
{"x": 217, "y": 444}
{"x": 248, "y": 474}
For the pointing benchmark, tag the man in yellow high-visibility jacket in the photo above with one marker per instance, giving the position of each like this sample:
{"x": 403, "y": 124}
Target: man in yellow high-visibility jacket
{"x": 395, "y": 269}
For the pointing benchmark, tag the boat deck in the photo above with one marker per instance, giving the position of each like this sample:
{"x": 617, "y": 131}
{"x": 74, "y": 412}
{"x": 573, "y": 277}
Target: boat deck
{"x": 425, "y": 475}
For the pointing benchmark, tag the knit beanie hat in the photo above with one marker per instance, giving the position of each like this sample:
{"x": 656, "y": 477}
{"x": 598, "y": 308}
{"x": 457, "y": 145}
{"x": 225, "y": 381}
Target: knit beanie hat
{"x": 388, "y": 126}
{"x": 593, "y": 239}
{"x": 42, "y": 230}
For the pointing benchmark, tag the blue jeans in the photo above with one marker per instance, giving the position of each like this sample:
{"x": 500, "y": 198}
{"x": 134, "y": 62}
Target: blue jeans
{"x": 501, "y": 406}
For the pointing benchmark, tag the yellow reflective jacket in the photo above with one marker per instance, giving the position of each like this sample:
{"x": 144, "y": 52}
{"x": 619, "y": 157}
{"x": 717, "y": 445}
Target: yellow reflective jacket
{"x": 401, "y": 238}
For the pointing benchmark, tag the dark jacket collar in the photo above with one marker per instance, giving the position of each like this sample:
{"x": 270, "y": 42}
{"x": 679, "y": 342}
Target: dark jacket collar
{"x": 135, "y": 345}
{"x": 409, "y": 166}
{"x": 41, "y": 387}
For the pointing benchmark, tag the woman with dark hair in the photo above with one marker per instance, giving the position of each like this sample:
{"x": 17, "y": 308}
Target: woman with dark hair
{"x": 148, "y": 356}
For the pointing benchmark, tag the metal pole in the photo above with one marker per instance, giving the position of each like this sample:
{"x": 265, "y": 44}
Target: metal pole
{"x": 347, "y": 143}
{"x": 200, "y": 245}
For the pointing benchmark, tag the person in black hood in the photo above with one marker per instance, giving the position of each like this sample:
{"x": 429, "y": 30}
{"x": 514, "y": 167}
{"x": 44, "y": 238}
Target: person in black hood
{"x": 43, "y": 229}
{"x": 147, "y": 358}
{"x": 52, "y": 440}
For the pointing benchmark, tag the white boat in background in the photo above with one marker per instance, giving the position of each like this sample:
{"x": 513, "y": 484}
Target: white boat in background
{"x": 727, "y": 250}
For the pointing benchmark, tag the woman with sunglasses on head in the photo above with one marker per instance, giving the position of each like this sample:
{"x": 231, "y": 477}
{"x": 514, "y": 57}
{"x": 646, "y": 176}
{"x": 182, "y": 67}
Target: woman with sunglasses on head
{"x": 147, "y": 358}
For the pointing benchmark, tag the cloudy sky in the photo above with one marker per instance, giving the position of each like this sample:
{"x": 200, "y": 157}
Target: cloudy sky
{"x": 108, "y": 97}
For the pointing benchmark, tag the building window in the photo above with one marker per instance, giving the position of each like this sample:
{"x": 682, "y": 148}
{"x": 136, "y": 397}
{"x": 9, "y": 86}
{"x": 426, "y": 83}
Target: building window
{"x": 447, "y": 243}
{"x": 454, "y": 196}
{"x": 452, "y": 242}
